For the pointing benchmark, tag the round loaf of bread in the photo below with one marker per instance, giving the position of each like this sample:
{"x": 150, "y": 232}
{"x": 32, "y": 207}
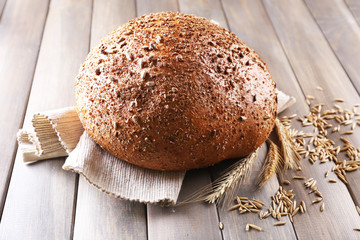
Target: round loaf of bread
{"x": 171, "y": 91}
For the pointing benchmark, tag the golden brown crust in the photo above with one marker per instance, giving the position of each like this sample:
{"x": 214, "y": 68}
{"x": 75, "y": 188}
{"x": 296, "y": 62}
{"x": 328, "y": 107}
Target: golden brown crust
{"x": 171, "y": 91}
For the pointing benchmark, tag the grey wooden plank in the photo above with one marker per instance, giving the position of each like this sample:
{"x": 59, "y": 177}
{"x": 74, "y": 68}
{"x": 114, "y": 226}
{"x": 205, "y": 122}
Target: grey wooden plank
{"x": 210, "y": 9}
{"x": 39, "y": 204}
{"x": 98, "y": 215}
{"x": 19, "y": 47}
{"x": 101, "y": 216}
{"x": 354, "y": 6}
{"x": 190, "y": 221}
{"x": 315, "y": 64}
{"x": 342, "y": 32}
{"x": 109, "y": 15}
{"x": 146, "y": 7}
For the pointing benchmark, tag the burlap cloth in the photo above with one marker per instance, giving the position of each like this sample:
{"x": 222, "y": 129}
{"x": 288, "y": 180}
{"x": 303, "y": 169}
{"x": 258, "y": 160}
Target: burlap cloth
{"x": 59, "y": 133}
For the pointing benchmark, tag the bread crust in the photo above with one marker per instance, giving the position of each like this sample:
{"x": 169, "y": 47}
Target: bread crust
{"x": 171, "y": 91}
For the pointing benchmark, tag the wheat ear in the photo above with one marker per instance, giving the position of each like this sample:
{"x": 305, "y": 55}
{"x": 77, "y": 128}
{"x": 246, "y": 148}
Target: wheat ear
{"x": 290, "y": 156}
{"x": 222, "y": 189}
{"x": 272, "y": 164}
{"x": 225, "y": 185}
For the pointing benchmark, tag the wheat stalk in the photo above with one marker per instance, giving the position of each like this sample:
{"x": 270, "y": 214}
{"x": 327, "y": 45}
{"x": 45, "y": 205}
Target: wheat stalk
{"x": 222, "y": 189}
{"x": 290, "y": 156}
{"x": 232, "y": 178}
{"x": 271, "y": 165}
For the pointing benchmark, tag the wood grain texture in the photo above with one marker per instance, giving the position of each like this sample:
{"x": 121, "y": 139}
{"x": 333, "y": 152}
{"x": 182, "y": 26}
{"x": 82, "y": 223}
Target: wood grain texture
{"x": 146, "y": 7}
{"x": 19, "y": 47}
{"x": 101, "y": 216}
{"x": 109, "y": 15}
{"x": 39, "y": 203}
{"x": 40, "y": 199}
{"x": 210, "y": 9}
{"x": 315, "y": 64}
{"x": 98, "y": 215}
{"x": 190, "y": 221}
{"x": 342, "y": 32}
{"x": 354, "y": 6}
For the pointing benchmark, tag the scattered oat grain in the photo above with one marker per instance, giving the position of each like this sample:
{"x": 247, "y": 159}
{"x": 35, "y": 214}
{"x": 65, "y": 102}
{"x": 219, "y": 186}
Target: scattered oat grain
{"x": 322, "y": 208}
{"x": 279, "y": 223}
{"x": 249, "y": 226}
{"x": 298, "y": 177}
{"x": 286, "y": 182}
{"x": 221, "y": 225}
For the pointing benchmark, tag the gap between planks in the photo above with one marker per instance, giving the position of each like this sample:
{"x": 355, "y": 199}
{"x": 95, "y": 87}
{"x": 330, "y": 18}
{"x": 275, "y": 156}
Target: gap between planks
{"x": 11, "y": 27}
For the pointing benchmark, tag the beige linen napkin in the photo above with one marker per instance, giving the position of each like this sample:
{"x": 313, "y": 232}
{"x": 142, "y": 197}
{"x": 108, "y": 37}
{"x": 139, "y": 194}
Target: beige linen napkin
{"x": 59, "y": 133}
{"x": 122, "y": 179}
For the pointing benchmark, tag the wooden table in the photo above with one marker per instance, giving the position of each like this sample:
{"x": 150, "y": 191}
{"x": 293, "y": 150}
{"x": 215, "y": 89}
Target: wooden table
{"x": 305, "y": 44}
